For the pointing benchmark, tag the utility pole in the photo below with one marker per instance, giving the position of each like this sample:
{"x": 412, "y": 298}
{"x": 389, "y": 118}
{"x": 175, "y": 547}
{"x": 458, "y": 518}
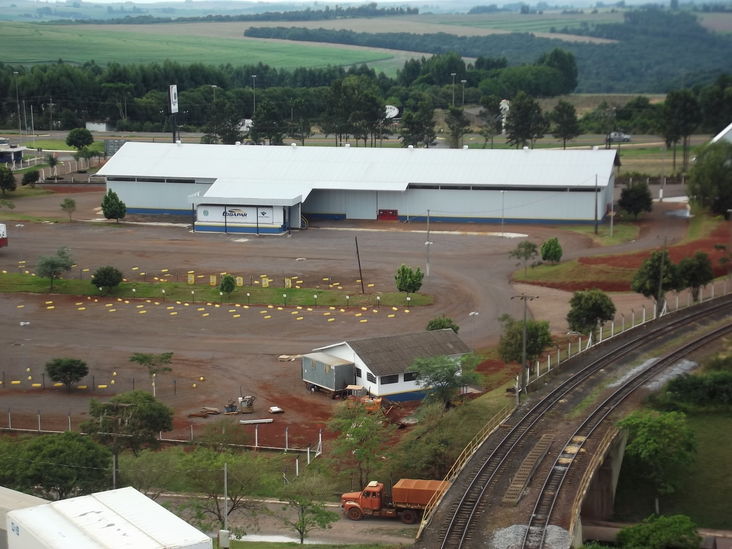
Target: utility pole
{"x": 525, "y": 298}
{"x": 226, "y": 496}
{"x": 453, "y": 88}
{"x": 660, "y": 293}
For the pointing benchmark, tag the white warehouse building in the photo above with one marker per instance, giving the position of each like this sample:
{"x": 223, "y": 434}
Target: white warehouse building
{"x": 244, "y": 188}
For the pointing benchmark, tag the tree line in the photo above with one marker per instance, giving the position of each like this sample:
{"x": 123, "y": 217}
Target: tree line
{"x": 308, "y": 14}
{"x": 654, "y": 50}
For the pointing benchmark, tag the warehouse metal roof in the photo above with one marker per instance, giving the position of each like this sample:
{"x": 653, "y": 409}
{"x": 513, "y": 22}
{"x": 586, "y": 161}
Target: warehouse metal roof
{"x": 285, "y": 175}
{"x": 388, "y": 355}
{"x": 113, "y": 519}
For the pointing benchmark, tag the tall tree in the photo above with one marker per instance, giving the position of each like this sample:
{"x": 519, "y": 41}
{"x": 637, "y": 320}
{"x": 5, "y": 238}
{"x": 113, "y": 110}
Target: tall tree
{"x": 660, "y": 448}
{"x": 113, "y": 207}
{"x": 636, "y": 198}
{"x": 695, "y": 271}
{"x": 710, "y": 179}
{"x": 566, "y": 125}
{"x": 682, "y": 116}
{"x": 64, "y": 465}
{"x": 491, "y": 116}
{"x": 564, "y": 62}
{"x": 526, "y": 123}
{"x": 444, "y": 376}
{"x": 31, "y": 178}
{"x": 589, "y": 309}
{"x": 204, "y": 469}
{"x": 655, "y": 277}
{"x": 66, "y": 370}
{"x": 538, "y": 337}
{"x": 457, "y": 126}
{"x": 7, "y": 180}
{"x": 128, "y": 421}
{"x": 79, "y": 138}
{"x": 362, "y": 439}
{"x": 268, "y": 124}
{"x": 305, "y": 496}
{"x": 53, "y": 266}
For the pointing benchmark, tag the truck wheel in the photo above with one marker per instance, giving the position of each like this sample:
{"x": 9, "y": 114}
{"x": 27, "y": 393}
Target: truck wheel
{"x": 408, "y": 517}
{"x": 354, "y": 513}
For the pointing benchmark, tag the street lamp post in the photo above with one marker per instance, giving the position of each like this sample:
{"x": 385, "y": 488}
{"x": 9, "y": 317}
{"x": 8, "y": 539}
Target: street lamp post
{"x": 463, "y": 83}
{"x": 315, "y": 298}
{"x": 284, "y": 299}
{"x": 408, "y": 300}
{"x": 453, "y": 88}
{"x": 254, "y": 94}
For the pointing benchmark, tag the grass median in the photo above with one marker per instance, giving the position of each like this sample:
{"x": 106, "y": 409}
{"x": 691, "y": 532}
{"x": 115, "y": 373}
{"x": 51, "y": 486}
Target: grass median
{"x": 179, "y": 291}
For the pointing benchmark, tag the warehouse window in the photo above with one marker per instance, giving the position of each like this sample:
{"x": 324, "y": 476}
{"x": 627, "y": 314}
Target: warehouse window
{"x": 410, "y": 376}
{"x": 386, "y": 380}
{"x": 371, "y": 377}
{"x": 358, "y": 372}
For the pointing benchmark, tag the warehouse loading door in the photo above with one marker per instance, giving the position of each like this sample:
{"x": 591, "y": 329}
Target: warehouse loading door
{"x": 388, "y": 215}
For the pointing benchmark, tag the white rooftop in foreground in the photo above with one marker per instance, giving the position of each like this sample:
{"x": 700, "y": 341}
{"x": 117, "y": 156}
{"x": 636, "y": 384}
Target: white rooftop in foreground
{"x": 122, "y": 518}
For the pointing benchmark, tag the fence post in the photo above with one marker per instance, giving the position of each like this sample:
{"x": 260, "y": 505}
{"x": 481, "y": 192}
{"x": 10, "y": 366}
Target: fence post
{"x": 712, "y": 290}
{"x": 308, "y": 455}
{"x": 69, "y": 417}
{"x": 559, "y": 356}
{"x": 286, "y": 439}
{"x": 644, "y": 315}
{"x": 677, "y": 301}
{"x": 600, "y": 340}
{"x": 569, "y": 350}
{"x": 297, "y": 466}
{"x": 256, "y": 436}
{"x": 632, "y": 322}
{"x": 537, "y": 369}
{"x": 39, "y": 420}
{"x": 191, "y": 432}
{"x": 580, "y": 344}
{"x": 548, "y": 363}
{"x": 10, "y": 420}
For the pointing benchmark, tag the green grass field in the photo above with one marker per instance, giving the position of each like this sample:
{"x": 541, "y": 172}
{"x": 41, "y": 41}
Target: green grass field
{"x": 516, "y": 22}
{"x": 28, "y": 44}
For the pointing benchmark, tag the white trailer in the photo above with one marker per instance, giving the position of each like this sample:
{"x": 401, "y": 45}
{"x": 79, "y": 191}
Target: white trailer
{"x": 3, "y": 236}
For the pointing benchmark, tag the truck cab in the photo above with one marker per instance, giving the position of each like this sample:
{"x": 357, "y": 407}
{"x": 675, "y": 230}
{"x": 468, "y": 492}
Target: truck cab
{"x": 369, "y": 501}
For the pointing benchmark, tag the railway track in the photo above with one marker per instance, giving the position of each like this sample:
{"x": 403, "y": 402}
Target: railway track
{"x": 457, "y": 531}
{"x": 547, "y": 497}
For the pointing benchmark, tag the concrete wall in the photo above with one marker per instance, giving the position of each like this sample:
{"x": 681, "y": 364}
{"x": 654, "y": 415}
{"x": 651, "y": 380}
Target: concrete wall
{"x": 170, "y": 198}
{"x": 463, "y": 205}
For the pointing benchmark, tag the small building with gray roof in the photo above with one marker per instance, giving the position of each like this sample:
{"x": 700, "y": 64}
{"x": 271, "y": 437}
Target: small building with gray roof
{"x": 268, "y": 189}
{"x": 379, "y": 364}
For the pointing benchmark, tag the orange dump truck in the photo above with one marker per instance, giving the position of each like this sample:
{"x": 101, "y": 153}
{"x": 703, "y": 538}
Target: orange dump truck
{"x": 409, "y": 497}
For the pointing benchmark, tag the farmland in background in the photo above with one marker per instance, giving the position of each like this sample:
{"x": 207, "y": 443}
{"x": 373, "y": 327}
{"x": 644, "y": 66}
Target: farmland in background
{"x": 137, "y": 44}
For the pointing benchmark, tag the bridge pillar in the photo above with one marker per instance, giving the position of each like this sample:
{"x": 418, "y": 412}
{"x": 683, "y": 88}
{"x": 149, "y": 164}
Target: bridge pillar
{"x": 599, "y": 501}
